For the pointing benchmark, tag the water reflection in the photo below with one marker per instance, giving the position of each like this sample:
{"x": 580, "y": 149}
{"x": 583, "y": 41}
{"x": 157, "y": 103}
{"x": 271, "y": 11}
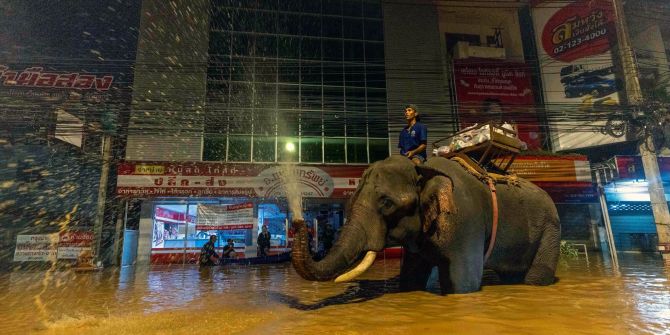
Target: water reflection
{"x": 589, "y": 298}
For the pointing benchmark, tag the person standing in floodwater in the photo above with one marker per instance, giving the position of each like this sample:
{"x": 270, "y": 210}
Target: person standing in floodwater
{"x": 263, "y": 242}
{"x": 413, "y": 137}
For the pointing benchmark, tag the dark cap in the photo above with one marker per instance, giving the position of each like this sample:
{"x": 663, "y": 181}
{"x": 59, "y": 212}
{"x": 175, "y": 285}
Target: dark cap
{"x": 412, "y": 106}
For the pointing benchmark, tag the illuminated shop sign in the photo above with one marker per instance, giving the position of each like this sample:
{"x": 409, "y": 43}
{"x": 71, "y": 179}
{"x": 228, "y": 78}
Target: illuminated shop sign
{"x": 158, "y": 179}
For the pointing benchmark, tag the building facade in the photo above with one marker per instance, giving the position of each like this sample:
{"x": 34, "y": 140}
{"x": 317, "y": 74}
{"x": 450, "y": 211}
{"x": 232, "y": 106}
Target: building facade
{"x": 232, "y": 99}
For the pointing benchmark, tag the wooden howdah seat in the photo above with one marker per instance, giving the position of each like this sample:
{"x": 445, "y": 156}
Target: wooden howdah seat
{"x": 494, "y": 149}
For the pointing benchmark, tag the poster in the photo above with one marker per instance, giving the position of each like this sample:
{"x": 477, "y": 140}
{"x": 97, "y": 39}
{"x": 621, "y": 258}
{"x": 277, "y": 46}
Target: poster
{"x": 36, "y": 248}
{"x": 226, "y": 217}
{"x": 72, "y": 243}
{"x": 574, "y": 42}
{"x": 497, "y": 91}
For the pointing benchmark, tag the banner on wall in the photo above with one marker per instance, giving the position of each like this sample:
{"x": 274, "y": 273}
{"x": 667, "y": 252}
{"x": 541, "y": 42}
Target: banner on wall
{"x": 498, "y": 91}
{"x": 227, "y": 217}
{"x": 36, "y": 248}
{"x": 574, "y": 41}
{"x": 138, "y": 179}
{"x": 72, "y": 243}
{"x": 552, "y": 169}
{"x": 50, "y": 247}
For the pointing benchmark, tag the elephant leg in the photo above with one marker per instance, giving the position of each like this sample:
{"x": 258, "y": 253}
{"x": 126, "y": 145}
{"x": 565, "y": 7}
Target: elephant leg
{"x": 414, "y": 272}
{"x": 461, "y": 275}
{"x": 543, "y": 268}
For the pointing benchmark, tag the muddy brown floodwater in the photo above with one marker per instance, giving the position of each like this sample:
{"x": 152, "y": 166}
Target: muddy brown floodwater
{"x": 590, "y": 298}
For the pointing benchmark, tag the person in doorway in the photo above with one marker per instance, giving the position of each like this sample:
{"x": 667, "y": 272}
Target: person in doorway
{"x": 413, "y": 137}
{"x": 327, "y": 236}
{"x": 208, "y": 255}
{"x": 229, "y": 249}
{"x": 263, "y": 242}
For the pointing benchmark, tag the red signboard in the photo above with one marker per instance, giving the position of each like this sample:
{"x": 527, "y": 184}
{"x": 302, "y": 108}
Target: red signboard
{"x": 578, "y": 30}
{"x": 157, "y": 179}
{"x": 630, "y": 167}
{"x": 499, "y": 91}
{"x": 75, "y": 238}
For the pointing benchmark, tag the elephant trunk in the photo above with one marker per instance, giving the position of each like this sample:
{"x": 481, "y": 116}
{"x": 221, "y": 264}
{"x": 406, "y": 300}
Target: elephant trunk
{"x": 345, "y": 252}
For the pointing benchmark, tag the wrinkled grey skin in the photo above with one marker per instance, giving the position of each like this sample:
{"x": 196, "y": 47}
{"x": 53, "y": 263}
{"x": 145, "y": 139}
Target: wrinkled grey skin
{"x": 442, "y": 215}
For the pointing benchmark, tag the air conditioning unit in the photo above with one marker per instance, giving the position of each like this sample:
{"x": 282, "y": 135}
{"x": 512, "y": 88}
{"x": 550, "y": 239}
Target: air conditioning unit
{"x": 465, "y": 50}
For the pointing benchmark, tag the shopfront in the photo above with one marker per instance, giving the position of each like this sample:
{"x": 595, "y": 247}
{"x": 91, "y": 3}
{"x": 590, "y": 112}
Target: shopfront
{"x": 567, "y": 180}
{"x": 182, "y": 204}
{"x": 629, "y": 205}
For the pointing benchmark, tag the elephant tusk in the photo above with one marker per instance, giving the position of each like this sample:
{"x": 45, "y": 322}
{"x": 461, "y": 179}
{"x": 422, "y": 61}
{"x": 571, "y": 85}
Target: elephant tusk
{"x": 359, "y": 269}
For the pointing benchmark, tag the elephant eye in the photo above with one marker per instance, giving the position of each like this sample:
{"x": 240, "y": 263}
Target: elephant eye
{"x": 387, "y": 203}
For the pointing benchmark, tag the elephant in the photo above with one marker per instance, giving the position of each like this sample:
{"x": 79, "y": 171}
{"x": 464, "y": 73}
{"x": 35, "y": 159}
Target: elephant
{"x": 443, "y": 217}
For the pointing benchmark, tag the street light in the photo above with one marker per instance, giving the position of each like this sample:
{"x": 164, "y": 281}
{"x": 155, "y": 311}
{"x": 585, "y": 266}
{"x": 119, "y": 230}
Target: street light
{"x": 290, "y": 147}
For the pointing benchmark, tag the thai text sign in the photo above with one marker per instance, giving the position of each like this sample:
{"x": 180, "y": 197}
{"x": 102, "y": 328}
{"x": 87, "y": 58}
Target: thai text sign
{"x": 552, "y": 169}
{"x": 141, "y": 179}
{"x": 227, "y": 217}
{"x": 480, "y": 84}
{"x": 36, "y": 248}
{"x": 72, "y": 243}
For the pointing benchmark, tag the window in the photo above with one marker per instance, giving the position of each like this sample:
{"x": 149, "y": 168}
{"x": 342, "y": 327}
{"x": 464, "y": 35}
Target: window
{"x": 353, "y": 51}
{"x": 311, "y": 6}
{"x": 311, "y": 25}
{"x": 311, "y": 149}
{"x": 357, "y": 151}
{"x": 332, "y": 27}
{"x": 288, "y": 23}
{"x": 372, "y": 8}
{"x": 353, "y": 28}
{"x": 289, "y": 47}
{"x": 239, "y": 148}
{"x": 288, "y": 71}
{"x": 332, "y": 7}
{"x": 214, "y": 148}
{"x": 310, "y": 123}
{"x": 310, "y": 49}
{"x": 266, "y": 22}
{"x": 266, "y": 46}
{"x": 352, "y": 8}
{"x": 219, "y": 43}
{"x": 244, "y": 20}
{"x": 379, "y": 149}
{"x": 332, "y": 50}
{"x": 288, "y": 96}
{"x": 333, "y": 123}
{"x": 333, "y": 74}
{"x": 374, "y": 30}
{"x": 334, "y": 150}
{"x": 354, "y": 75}
{"x": 264, "y": 148}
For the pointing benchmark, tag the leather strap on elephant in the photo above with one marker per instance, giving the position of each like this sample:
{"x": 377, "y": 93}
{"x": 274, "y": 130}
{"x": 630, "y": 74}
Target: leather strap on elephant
{"x": 490, "y": 179}
{"x": 494, "y": 228}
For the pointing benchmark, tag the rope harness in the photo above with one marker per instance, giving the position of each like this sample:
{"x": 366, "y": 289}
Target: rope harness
{"x": 490, "y": 179}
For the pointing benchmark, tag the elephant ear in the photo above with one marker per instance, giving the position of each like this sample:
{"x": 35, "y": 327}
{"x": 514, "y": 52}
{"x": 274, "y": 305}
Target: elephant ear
{"x": 437, "y": 200}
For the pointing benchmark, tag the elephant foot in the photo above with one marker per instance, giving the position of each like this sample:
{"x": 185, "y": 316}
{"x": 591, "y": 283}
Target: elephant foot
{"x": 540, "y": 275}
